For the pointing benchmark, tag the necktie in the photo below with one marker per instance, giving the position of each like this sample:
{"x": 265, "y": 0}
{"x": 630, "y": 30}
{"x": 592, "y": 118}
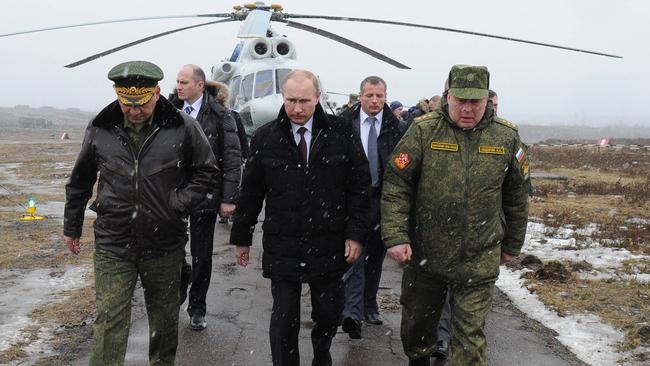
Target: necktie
{"x": 189, "y": 110}
{"x": 373, "y": 155}
{"x": 302, "y": 145}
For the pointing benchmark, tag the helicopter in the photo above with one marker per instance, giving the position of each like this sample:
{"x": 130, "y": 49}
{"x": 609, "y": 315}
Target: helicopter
{"x": 263, "y": 57}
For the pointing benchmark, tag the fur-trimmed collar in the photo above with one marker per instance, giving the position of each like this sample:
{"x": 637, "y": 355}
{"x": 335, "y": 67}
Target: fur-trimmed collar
{"x": 164, "y": 115}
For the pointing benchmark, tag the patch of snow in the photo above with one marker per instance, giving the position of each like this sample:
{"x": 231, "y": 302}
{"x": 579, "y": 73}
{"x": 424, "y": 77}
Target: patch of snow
{"x": 585, "y": 335}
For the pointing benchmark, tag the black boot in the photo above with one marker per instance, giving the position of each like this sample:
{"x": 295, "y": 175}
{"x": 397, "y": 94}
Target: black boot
{"x": 422, "y": 361}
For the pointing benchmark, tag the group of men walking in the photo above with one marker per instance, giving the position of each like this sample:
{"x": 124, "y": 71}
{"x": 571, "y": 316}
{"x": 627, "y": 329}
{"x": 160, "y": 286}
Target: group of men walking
{"x": 446, "y": 197}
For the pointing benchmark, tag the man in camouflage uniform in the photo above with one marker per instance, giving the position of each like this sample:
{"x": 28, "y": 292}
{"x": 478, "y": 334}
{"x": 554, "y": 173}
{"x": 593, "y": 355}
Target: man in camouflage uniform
{"x": 454, "y": 206}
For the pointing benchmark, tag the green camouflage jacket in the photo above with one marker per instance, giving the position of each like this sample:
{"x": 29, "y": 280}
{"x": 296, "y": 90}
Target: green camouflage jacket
{"x": 457, "y": 196}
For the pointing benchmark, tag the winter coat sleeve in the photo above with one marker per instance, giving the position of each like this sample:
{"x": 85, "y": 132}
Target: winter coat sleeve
{"x": 231, "y": 159}
{"x": 399, "y": 188}
{"x": 358, "y": 184}
{"x": 515, "y": 201}
{"x": 79, "y": 188}
{"x": 201, "y": 167}
{"x": 253, "y": 191}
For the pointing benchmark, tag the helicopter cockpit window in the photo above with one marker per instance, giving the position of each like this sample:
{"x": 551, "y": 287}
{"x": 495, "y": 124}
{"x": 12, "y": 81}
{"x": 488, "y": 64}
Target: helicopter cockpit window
{"x": 280, "y": 74}
{"x": 247, "y": 87}
{"x": 264, "y": 83}
{"x": 234, "y": 90}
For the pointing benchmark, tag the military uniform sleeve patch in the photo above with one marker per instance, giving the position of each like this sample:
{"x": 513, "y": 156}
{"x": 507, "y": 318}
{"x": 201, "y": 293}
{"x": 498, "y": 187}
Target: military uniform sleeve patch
{"x": 445, "y": 146}
{"x": 520, "y": 155}
{"x": 402, "y": 160}
{"x": 496, "y": 150}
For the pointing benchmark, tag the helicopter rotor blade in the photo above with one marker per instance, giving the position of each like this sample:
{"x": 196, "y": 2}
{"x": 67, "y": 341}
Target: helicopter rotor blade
{"x": 142, "y": 40}
{"x": 218, "y": 15}
{"x": 344, "y": 41}
{"x": 445, "y": 29}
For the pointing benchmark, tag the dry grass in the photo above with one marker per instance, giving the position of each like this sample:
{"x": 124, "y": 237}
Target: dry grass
{"x": 607, "y": 188}
{"x": 39, "y": 244}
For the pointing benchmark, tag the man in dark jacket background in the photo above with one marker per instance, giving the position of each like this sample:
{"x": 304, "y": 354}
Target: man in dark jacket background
{"x": 314, "y": 176}
{"x": 219, "y": 126}
{"x": 154, "y": 166}
{"x": 378, "y": 130}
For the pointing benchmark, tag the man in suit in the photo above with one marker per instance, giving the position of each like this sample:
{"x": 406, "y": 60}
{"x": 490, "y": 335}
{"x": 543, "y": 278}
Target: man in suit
{"x": 219, "y": 127}
{"x": 378, "y": 130}
{"x": 313, "y": 175}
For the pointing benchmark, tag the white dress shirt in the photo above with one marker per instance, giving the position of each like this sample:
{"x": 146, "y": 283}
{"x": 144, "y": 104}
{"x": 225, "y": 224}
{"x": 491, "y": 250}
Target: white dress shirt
{"x": 364, "y": 128}
{"x": 296, "y": 134}
{"x": 196, "y": 105}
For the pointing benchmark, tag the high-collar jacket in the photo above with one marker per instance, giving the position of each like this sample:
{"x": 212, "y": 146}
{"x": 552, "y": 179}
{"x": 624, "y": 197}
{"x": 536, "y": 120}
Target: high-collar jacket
{"x": 312, "y": 208}
{"x": 143, "y": 195}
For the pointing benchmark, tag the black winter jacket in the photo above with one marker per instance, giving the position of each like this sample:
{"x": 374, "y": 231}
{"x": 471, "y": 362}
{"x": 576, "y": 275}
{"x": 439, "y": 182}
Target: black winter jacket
{"x": 143, "y": 196}
{"x": 310, "y": 210}
{"x": 219, "y": 127}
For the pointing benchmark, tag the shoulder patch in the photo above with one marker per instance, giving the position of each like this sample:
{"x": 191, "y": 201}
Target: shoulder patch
{"x": 506, "y": 123}
{"x": 402, "y": 160}
{"x": 423, "y": 117}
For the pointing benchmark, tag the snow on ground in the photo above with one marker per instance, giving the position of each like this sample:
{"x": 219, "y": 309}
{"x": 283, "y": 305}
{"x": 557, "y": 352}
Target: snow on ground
{"x": 584, "y": 334}
{"x": 23, "y": 291}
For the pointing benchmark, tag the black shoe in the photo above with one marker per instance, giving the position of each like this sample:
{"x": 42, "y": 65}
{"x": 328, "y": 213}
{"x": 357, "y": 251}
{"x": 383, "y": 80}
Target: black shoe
{"x": 441, "y": 351}
{"x": 374, "y": 318}
{"x": 352, "y": 327}
{"x": 422, "y": 361}
{"x": 197, "y": 322}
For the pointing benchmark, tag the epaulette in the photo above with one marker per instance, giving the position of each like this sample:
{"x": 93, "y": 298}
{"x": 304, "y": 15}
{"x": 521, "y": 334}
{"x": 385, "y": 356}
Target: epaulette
{"x": 507, "y": 123}
{"x": 429, "y": 115}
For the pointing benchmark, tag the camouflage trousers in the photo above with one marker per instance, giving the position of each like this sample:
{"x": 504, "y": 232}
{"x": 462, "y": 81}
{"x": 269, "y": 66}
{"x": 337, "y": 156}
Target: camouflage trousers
{"x": 115, "y": 280}
{"x": 423, "y": 298}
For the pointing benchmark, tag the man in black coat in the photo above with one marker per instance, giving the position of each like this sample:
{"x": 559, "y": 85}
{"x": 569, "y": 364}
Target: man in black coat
{"x": 154, "y": 165}
{"x": 314, "y": 176}
{"x": 378, "y": 130}
{"x": 219, "y": 126}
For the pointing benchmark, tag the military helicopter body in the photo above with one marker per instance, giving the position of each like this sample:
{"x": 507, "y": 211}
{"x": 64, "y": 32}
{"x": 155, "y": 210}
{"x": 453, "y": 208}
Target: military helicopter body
{"x": 262, "y": 58}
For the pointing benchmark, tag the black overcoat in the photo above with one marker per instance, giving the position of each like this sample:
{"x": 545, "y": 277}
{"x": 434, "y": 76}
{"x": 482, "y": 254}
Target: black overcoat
{"x": 311, "y": 209}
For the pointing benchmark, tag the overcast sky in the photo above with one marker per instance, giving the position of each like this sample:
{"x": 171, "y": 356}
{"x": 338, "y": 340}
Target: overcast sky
{"x": 535, "y": 84}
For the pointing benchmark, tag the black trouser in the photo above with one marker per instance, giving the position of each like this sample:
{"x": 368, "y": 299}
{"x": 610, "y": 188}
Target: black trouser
{"x": 375, "y": 252}
{"x": 327, "y": 298}
{"x": 201, "y": 245}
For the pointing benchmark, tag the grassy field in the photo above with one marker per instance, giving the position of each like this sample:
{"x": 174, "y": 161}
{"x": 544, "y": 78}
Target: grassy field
{"x": 609, "y": 190}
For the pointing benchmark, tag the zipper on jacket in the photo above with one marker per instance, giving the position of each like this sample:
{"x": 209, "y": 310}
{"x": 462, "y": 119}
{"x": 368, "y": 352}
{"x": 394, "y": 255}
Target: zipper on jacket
{"x": 136, "y": 175}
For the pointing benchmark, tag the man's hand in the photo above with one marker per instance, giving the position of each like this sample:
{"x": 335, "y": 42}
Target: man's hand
{"x": 505, "y": 258}
{"x": 72, "y": 243}
{"x": 400, "y": 253}
{"x": 241, "y": 254}
{"x": 352, "y": 250}
{"x": 226, "y": 209}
